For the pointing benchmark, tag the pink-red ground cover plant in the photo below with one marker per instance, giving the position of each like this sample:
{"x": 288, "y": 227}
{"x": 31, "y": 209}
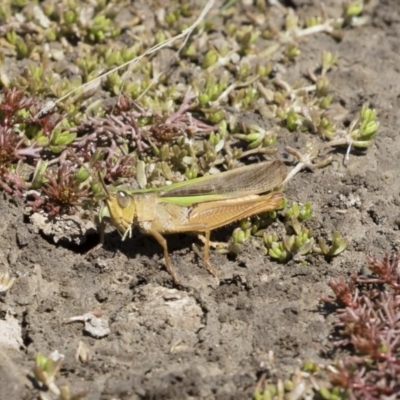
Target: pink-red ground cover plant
{"x": 368, "y": 330}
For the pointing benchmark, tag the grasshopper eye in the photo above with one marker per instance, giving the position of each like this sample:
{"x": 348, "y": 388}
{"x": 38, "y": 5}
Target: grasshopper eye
{"x": 123, "y": 199}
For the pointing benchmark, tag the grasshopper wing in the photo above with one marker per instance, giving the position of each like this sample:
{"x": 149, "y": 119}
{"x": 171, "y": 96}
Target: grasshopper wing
{"x": 249, "y": 180}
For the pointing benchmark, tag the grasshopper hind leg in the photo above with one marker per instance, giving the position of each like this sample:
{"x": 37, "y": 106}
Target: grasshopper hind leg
{"x": 206, "y": 255}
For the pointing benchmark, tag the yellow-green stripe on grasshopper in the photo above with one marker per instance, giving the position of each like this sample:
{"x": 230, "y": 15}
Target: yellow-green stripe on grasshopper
{"x": 199, "y": 205}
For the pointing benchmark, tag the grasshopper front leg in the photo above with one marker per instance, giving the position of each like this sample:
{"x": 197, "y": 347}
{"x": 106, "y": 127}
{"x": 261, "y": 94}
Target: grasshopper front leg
{"x": 101, "y": 227}
{"x": 163, "y": 243}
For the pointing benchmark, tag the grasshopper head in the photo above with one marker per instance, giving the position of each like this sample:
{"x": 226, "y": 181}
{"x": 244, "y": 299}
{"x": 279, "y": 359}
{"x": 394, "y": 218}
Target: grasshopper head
{"x": 120, "y": 209}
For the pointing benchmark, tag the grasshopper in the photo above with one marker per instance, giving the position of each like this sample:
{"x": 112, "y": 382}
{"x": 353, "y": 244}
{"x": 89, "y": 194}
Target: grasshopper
{"x": 199, "y": 205}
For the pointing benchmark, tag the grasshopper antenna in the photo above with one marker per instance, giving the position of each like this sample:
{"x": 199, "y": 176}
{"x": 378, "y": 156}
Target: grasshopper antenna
{"x": 103, "y": 185}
